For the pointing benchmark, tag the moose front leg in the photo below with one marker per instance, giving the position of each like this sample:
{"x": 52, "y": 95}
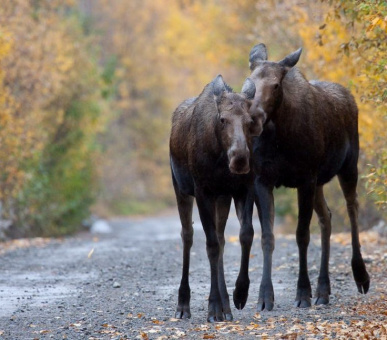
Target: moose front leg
{"x": 305, "y": 211}
{"x": 184, "y": 204}
{"x": 223, "y": 204}
{"x": 324, "y": 219}
{"x": 265, "y": 203}
{"x": 206, "y": 206}
{"x": 244, "y": 207}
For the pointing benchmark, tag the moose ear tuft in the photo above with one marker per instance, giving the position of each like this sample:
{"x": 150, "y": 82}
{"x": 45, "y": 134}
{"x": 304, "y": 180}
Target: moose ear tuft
{"x": 258, "y": 53}
{"x": 248, "y": 89}
{"x": 292, "y": 59}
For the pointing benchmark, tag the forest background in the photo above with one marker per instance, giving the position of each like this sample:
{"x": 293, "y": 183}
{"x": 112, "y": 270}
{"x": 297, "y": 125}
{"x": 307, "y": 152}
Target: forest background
{"x": 87, "y": 89}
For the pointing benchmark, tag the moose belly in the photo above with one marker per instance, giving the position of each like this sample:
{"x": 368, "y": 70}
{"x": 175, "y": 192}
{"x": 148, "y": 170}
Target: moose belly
{"x": 225, "y": 183}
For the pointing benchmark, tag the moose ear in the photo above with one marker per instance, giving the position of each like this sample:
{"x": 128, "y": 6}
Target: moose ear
{"x": 290, "y": 60}
{"x": 248, "y": 89}
{"x": 219, "y": 86}
{"x": 257, "y": 53}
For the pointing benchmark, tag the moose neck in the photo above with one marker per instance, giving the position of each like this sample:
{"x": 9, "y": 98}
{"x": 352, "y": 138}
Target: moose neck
{"x": 291, "y": 112}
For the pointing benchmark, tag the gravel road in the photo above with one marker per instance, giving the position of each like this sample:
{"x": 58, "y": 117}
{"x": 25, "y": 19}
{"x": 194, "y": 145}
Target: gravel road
{"x": 124, "y": 286}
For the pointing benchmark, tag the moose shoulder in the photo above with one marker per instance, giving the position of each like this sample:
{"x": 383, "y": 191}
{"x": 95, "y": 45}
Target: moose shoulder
{"x": 211, "y": 156}
{"x": 310, "y": 135}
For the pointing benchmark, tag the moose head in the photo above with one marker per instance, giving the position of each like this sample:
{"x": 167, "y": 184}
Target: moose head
{"x": 268, "y": 79}
{"x": 235, "y": 126}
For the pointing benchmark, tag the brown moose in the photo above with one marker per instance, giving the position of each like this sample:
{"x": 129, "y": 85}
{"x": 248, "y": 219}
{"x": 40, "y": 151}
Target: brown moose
{"x": 210, "y": 157}
{"x": 310, "y": 135}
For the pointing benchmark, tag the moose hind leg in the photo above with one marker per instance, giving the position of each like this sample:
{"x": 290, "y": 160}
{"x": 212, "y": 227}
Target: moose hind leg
{"x": 348, "y": 183}
{"x": 324, "y": 219}
{"x": 184, "y": 204}
{"x": 222, "y": 210}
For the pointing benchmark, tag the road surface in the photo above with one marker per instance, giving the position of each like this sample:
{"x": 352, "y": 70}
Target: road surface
{"x": 124, "y": 286}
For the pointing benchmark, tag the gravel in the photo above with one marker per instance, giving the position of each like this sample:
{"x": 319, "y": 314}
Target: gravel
{"x": 123, "y": 285}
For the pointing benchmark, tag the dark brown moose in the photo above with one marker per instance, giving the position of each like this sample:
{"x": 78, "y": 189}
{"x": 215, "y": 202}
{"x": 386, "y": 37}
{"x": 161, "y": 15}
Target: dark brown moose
{"x": 210, "y": 156}
{"x": 310, "y": 135}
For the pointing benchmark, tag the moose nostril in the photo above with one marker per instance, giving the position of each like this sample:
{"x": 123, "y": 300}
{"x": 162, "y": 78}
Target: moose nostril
{"x": 239, "y": 164}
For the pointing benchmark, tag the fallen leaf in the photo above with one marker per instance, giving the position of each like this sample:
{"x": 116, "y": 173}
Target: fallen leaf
{"x": 90, "y": 253}
{"x": 233, "y": 239}
{"x": 157, "y": 322}
{"x": 208, "y": 336}
{"x": 257, "y": 316}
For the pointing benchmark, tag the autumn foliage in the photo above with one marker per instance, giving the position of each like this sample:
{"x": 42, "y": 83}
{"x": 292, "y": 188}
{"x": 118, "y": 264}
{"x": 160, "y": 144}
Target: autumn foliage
{"x": 49, "y": 117}
{"x": 349, "y": 46}
{"x": 87, "y": 88}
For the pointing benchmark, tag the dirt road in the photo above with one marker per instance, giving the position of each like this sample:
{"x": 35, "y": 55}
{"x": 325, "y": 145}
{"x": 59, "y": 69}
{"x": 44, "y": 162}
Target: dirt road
{"x": 124, "y": 286}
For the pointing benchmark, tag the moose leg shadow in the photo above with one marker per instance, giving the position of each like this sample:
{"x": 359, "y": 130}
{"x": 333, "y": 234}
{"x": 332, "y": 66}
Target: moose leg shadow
{"x": 324, "y": 219}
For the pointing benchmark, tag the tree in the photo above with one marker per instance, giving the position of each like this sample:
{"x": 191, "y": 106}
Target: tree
{"x": 49, "y": 117}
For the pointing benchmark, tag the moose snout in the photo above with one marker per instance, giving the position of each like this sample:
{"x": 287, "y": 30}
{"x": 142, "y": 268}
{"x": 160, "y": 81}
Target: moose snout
{"x": 239, "y": 160}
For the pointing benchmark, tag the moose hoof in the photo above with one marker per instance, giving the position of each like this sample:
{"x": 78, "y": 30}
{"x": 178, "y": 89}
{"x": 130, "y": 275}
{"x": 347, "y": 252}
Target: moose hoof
{"x": 360, "y": 274}
{"x": 322, "y": 300}
{"x": 363, "y": 287}
{"x": 240, "y": 299}
{"x": 215, "y": 311}
{"x": 266, "y": 296}
{"x": 241, "y": 292}
{"x": 182, "y": 313}
{"x": 265, "y": 305}
{"x": 228, "y": 317}
{"x": 305, "y": 303}
{"x": 215, "y": 318}
{"x": 322, "y": 293}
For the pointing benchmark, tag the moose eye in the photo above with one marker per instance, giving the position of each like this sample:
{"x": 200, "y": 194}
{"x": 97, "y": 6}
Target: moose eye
{"x": 276, "y": 86}
{"x": 222, "y": 120}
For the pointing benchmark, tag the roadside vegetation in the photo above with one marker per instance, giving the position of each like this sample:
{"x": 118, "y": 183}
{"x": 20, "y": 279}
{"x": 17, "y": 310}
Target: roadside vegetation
{"x": 88, "y": 87}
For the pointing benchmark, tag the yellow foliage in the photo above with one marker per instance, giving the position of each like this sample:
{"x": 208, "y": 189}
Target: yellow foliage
{"x": 349, "y": 46}
{"x": 164, "y": 55}
{"x": 43, "y": 70}
{"x": 327, "y": 52}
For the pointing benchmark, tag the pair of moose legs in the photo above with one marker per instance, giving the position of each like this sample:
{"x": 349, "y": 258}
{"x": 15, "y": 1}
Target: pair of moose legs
{"x": 310, "y": 197}
{"x": 214, "y": 213}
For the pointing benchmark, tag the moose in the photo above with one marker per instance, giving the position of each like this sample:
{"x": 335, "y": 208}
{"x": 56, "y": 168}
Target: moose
{"x": 310, "y": 135}
{"x": 210, "y": 158}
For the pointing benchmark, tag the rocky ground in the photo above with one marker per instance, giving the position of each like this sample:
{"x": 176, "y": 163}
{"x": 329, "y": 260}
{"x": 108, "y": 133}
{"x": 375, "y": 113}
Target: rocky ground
{"x": 123, "y": 285}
